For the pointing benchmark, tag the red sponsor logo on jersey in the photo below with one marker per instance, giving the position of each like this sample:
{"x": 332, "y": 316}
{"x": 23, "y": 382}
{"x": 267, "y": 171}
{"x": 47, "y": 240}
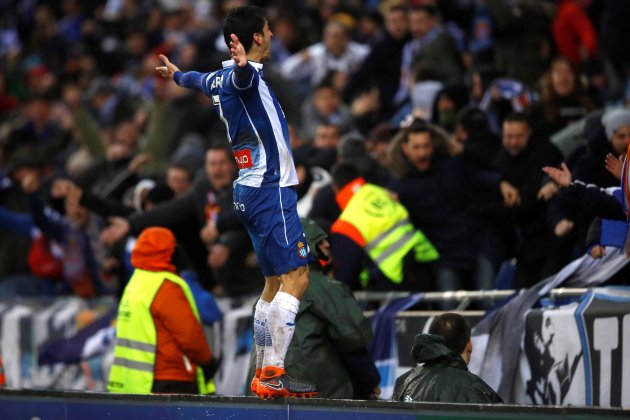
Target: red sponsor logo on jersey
{"x": 243, "y": 158}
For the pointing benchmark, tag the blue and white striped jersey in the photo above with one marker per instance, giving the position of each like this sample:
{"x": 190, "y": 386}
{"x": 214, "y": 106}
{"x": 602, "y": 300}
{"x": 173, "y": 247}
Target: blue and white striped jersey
{"x": 256, "y": 126}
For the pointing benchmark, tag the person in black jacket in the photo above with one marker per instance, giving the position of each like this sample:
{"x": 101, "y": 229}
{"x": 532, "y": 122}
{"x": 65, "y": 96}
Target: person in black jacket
{"x": 444, "y": 377}
{"x": 519, "y": 162}
{"x": 206, "y": 226}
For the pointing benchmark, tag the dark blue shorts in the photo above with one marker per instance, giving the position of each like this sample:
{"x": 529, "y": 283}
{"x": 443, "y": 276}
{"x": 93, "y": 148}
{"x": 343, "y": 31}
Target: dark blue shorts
{"x": 270, "y": 215}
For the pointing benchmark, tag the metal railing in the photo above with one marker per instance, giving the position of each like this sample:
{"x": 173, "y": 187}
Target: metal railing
{"x": 464, "y": 297}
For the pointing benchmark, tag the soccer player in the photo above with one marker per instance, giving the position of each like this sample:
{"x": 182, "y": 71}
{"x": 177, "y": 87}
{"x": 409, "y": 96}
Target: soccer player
{"x": 264, "y": 193}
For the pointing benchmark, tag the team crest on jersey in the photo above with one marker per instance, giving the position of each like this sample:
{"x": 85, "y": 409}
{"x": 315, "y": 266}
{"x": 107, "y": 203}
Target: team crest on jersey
{"x": 302, "y": 250}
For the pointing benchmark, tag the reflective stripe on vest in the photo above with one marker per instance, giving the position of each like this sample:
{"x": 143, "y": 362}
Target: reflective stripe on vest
{"x": 134, "y": 354}
{"x": 386, "y": 229}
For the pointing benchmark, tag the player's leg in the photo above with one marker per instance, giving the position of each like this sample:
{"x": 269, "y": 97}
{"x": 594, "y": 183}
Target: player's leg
{"x": 286, "y": 249}
{"x": 262, "y": 339}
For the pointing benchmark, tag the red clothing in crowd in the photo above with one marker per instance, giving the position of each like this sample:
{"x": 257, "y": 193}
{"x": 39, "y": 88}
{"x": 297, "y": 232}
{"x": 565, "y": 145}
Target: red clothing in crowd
{"x": 573, "y": 31}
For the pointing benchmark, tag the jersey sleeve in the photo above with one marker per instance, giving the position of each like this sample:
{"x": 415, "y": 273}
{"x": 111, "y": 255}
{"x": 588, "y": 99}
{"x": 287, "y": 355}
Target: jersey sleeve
{"x": 194, "y": 80}
{"x": 243, "y": 79}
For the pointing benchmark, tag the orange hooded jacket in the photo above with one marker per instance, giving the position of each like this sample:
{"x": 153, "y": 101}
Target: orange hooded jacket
{"x": 179, "y": 333}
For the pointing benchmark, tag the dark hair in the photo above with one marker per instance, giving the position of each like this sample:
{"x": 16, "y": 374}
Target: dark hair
{"x": 472, "y": 119}
{"x": 244, "y": 22}
{"x": 159, "y": 193}
{"x": 182, "y": 167}
{"x": 431, "y": 11}
{"x": 454, "y": 329}
{"x": 417, "y": 126}
{"x": 343, "y": 174}
{"x": 548, "y": 96}
{"x": 517, "y": 117}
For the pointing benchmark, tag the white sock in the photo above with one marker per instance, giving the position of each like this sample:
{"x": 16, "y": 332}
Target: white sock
{"x": 262, "y": 338}
{"x": 281, "y": 324}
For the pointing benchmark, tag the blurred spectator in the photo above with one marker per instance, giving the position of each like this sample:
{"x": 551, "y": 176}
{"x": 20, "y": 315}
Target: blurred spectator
{"x": 323, "y": 150}
{"x": 375, "y": 227}
{"x": 14, "y": 246}
{"x": 615, "y": 48}
{"x": 432, "y": 46}
{"x": 335, "y": 52}
{"x": 562, "y": 101}
{"x": 447, "y": 104}
{"x": 179, "y": 179}
{"x": 325, "y": 106}
{"x": 77, "y": 233}
{"x": 473, "y": 139}
{"x": 594, "y": 166}
{"x": 573, "y": 32}
{"x": 523, "y": 37}
{"x": 381, "y": 68}
{"x": 524, "y": 200}
{"x": 426, "y": 181}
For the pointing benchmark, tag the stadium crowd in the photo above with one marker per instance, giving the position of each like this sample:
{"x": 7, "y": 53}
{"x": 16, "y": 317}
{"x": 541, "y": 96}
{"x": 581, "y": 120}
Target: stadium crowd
{"x": 452, "y": 106}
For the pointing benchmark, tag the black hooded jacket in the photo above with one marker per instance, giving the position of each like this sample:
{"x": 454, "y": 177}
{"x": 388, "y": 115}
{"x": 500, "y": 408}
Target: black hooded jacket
{"x": 444, "y": 377}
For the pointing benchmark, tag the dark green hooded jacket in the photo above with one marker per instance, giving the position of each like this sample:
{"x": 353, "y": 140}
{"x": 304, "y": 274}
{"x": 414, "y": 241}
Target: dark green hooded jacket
{"x": 444, "y": 377}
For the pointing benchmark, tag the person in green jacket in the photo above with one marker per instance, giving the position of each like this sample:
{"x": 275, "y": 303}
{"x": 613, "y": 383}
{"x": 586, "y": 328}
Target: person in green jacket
{"x": 444, "y": 376}
{"x": 329, "y": 346}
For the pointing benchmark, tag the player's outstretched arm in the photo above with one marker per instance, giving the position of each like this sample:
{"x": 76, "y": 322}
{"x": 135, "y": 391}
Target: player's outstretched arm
{"x": 189, "y": 79}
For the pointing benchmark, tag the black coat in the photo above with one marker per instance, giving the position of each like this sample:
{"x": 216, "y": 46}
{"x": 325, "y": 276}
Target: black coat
{"x": 444, "y": 377}
{"x": 437, "y": 201}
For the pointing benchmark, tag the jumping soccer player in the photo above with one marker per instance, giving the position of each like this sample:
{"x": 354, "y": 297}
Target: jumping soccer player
{"x": 264, "y": 193}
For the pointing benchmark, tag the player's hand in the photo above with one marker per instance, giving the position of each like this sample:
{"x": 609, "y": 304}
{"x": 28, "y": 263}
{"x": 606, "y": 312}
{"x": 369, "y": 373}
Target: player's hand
{"x": 614, "y": 165}
{"x": 511, "y": 195}
{"x": 237, "y": 51}
{"x": 168, "y": 69}
{"x": 547, "y": 191}
{"x": 117, "y": 229}
{"x": 561, "y": 176}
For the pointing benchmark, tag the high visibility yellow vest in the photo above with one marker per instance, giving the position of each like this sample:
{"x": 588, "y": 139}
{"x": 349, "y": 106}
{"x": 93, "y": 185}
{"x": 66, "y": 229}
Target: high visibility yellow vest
{"x": 134, "y": 355}
{"x": 386, "y": 230}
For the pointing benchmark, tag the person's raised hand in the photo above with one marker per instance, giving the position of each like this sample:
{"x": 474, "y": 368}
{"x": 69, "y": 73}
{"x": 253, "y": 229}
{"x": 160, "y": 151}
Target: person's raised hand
{"x": 237, "y": 51}
{"x": 30, "y": 182}
{"x": 511, "y": 195}
{"x": 168, "y": 69}
{"x": 61, "y": 187}
{"x": 547, "y": 191}
{"x": 614, "y": 165}
{"x": 117, "y": 229}
{"x": 563, "y": 227}
{"x": 561, "y": 176}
